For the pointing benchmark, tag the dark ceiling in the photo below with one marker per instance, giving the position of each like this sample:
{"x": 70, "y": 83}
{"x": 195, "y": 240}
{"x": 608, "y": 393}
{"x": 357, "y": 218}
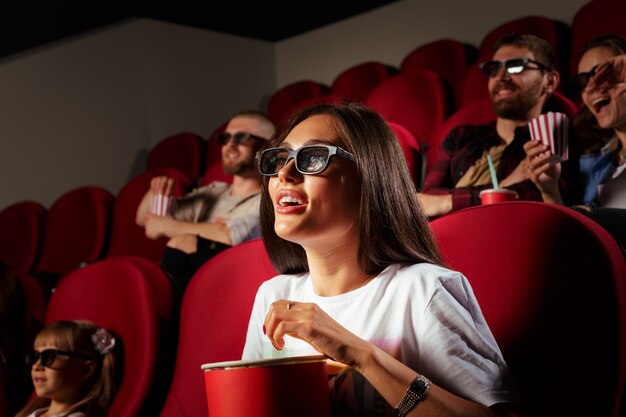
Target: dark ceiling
{"x": 26, "y": 24}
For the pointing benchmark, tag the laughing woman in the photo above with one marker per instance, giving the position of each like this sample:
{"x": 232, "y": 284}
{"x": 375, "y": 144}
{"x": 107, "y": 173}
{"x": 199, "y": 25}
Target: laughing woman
{"x": 362, "y": 280}
{"x": 601, "y": 128}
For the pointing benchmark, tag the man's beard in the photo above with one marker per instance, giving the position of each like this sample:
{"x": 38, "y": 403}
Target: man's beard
{"x": 517, "y": 107}
{"x": 236, "y": 168}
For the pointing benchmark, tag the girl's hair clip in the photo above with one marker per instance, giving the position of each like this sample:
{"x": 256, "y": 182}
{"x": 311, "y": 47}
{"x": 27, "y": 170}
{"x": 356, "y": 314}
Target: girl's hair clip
{"x": 103, "y": 341}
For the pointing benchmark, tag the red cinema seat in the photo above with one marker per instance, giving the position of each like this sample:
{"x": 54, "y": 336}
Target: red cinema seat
{"x": 183, "y": 151}
{"x": 356, "y": 82}
{"x": 283, "y": 99}
{"x": 116, "y": 295}
{"x": 21, "y": 228}
{"x": 529, "y": 264}
{"x": 214, "y": 320}
{"x": 411, "y": 150}
{"x": 126, "y": 237}
{"x": 77, "y": 230}
{"x": 420, "y": 101}
{"x": 447, "y": 57}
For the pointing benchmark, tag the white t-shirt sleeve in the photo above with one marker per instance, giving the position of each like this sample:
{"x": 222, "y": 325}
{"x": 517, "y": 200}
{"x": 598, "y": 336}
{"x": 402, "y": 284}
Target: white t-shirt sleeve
{"x": 456, "y": 347}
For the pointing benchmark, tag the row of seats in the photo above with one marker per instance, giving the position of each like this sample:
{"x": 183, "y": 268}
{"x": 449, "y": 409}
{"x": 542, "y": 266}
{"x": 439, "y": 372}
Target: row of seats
{"x": 83, "y": 225}
{"x": 415, "y": 99}
{"x": 435, "y": 82}
{"x": 88, "y": 223}
{"x": 456, "y": 62}
{"x": 530, "y": 287}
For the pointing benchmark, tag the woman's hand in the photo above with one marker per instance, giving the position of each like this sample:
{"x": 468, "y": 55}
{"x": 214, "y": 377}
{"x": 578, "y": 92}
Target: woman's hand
{"x": 542, "y": 173}
{"x": 308, "y": 322}
{"x": 610, "y": 76}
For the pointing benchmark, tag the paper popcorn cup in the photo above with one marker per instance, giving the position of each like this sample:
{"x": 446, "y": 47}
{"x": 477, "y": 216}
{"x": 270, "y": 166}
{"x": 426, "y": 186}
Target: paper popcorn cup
{"x": 282, "y": 387}
{"x": 552, "y": 130}
{"x": 161, "y": 205}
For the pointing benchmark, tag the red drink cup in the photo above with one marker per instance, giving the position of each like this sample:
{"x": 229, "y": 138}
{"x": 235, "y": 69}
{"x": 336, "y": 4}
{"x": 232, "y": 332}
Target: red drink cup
{"x": 497, "y": 195}
{"x": 282, "y": 387}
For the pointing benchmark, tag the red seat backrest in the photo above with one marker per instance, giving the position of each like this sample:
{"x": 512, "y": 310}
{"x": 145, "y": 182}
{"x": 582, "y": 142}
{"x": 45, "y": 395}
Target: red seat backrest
{"x": 283, "y": 99}
{"x": 214, "y": 320}
{"x": 77, "y": 230}
{"x": 412, "y": 151}
{"x": 116, "y": 295}
{"x": 447, "y": 57}
{"x": 184, "y": 151}
{"x": 555, "y": 33}
{"x": 21, "y": 228}
{"x": 530, "y": 266}
{"x": 356, "y": 82}
{"x": 126, "y": 237}
{"x": 326, "y": 98}
{"x": 419, "y": 101}
{"x": 598, "y": 17}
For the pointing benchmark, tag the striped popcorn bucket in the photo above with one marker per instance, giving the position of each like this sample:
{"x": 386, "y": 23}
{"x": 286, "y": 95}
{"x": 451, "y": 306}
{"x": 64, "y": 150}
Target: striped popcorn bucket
{"x": 551, "y": 129}
{"x": 161, "y": 205}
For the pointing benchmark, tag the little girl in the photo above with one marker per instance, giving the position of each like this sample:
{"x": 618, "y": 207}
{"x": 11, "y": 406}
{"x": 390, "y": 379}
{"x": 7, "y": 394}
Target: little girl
{"x": 73, "y": 371}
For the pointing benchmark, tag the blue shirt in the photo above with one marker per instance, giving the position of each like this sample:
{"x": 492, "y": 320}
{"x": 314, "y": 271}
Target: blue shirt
{"x": 596, "y": 169}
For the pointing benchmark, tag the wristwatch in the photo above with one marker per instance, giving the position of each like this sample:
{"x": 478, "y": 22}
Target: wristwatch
{"x": 414, "y": 394}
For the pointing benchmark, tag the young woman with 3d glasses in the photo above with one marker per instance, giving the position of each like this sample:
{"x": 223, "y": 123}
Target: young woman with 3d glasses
{"x": 362, "y": 280}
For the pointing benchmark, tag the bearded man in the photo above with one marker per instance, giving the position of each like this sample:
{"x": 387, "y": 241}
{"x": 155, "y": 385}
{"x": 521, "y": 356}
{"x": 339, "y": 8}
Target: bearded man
{"x": 217, "y": 216}
{"x": 522, "y": 76}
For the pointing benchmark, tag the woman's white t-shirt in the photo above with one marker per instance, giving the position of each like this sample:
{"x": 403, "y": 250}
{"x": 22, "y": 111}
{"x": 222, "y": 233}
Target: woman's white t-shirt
{"x": 423, "y": 315}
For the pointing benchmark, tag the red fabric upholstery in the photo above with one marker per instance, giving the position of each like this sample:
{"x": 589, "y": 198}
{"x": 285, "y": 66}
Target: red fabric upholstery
{"x": 164, "y": 297}
{"x": 553, "y": 32}
{"x": 159, "y": 283}
{"x": 411, "y": 149}
{"x": 183, "y": 151}
{"x": 283, "y": 99}
{"x": 116, "y": 295}
{"x": 35, "y": 303}
{"x": 78, "y": 225}
{"x": 481, "y": 111}
{"x": 356, "y": 82}
{"x": 418, "y": 101}
{"x": 126, "y": 237}
{"x": 21, "y": 228}
{"x": 598, "y": 17}
{"x": 214, "y": 321}
{"x": 551, "y": 285}
{"x": 474, "y": 85}
{"x": 326, "y": 98}
{"x": 449, "y": 58}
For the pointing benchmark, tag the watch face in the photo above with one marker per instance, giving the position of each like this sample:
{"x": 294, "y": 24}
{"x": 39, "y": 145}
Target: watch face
{"x": 420, "y": 385}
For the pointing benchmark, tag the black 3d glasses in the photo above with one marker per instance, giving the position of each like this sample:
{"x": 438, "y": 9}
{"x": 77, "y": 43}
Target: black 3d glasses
{"x": 511, "y": 66}
{"x": 309, "y": 160}
{"x": 47, "y": 356}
